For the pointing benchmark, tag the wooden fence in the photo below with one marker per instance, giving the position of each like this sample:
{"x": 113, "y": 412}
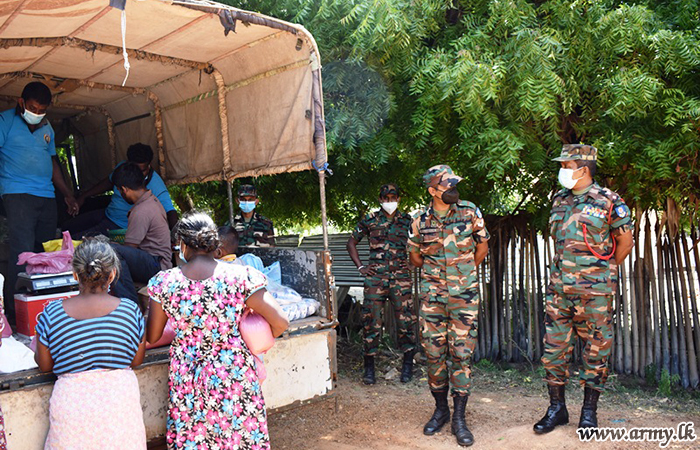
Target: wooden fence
{"x": 655, "y": 308}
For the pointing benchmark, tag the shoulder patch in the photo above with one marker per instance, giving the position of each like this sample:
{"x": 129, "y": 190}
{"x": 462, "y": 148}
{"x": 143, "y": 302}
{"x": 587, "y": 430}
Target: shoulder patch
{"x": 561, "y": 193}
{"x": 478, "y": 213}
{"x": 467, "y": 203}
{"x": 607, "y": 193}
{"x": 621, "y": 212}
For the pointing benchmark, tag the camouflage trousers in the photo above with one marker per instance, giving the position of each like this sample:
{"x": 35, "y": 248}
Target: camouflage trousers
{"x": 398, "y": 290}
{"x": 449, "y": 327}
{"x": 586, "y": 316}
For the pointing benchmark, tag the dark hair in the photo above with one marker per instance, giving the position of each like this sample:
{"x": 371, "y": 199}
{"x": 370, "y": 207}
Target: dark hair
{"x": 592, "y": 167}
{"x": 228, "y": 236}
{"x": 94, "y": 261}
{"x": 128, "y": 175}
{"x": 139, "y": 153}
{"x": 198, "y": 231}
{"x": 36, "y": 90}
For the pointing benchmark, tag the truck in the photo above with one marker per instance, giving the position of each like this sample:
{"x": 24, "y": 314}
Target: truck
{"x": 220, "y": 93}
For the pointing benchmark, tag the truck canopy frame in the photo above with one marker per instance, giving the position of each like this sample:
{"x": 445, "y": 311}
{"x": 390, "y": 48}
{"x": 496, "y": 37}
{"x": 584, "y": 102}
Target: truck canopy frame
{"x": 219, "y": 93}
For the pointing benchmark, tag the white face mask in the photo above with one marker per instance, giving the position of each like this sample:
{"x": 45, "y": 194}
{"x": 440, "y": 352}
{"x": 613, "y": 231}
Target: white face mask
{"x": 390, "y": 207}
{"x": 182, "y": 254}
{"x": 31, "y": 118}
{"x": 566, "y": 177}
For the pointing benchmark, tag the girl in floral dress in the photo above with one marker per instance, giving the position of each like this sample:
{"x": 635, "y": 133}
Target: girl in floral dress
{"x": 216, "y": 400}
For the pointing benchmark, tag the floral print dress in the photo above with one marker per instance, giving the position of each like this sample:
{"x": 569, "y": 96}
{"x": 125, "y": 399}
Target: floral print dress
{"x": 216, "y": 400}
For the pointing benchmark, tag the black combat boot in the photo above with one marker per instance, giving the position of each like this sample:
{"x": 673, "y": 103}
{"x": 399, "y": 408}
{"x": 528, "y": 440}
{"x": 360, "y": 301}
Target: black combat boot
{"x": 464, "y": 437}
{"x": 556, "y": 413}
{"x": 441, "y": 415}
{"x": 589, "y": 418}
{"x": 407, "y": 368}
{"x": 368, "y": 377}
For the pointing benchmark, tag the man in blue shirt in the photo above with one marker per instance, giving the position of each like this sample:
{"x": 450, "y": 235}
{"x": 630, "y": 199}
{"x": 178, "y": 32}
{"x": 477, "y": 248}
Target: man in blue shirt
{"x": 115, "y": 216}
{"x": 29, "y": 171}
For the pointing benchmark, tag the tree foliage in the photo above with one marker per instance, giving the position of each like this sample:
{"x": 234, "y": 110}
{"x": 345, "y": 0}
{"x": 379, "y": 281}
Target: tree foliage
{"x": 494, "y": 88}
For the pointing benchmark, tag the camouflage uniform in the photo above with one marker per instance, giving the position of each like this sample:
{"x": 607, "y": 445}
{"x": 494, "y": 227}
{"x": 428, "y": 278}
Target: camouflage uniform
{"x": 387, "y": 255}
{"x": 259, "y": 231}
{"x": 582, "y": 281}
{"x": 449, "y": 286}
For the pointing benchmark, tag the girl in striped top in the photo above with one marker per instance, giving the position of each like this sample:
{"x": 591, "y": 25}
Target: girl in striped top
{"x": 91, "y": 342}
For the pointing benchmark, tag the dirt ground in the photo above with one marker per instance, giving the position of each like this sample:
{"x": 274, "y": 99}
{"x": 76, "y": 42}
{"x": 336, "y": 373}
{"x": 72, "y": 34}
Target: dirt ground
{"x": 504, "y": 404}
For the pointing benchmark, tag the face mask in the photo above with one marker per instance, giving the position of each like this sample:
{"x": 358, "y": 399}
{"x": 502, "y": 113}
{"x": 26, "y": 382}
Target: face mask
{"x": 31, "y": 118}
{"x": 450, "y": 196}
{"x": 390, "y": 207}
{"x": 247, "y": 207}
{"x": 566, "y": 178}
{"x": 182, "y": 255}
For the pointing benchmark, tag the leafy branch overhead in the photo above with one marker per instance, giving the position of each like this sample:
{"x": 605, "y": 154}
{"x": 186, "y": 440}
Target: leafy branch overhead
{"x": 494, "y": 88}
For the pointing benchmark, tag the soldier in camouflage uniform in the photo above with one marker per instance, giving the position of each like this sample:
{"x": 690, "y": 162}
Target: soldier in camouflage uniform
{"x": 254, "y": 230}
{"x": 591, "y": 227}
{"x": 448, "y": 239}
{"x": 387, "y": 276}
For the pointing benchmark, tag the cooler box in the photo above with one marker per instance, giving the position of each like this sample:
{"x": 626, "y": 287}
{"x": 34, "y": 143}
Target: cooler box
{"x": 28, "y": 307}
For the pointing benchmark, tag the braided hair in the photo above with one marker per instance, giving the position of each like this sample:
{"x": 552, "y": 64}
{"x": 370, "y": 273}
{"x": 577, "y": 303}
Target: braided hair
{"x": 198, "y": 231}
{"x": 94, "y": 261}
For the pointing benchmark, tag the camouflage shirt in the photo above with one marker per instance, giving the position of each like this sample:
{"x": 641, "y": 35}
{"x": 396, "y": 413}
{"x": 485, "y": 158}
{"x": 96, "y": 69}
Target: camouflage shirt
{"x": 387, "y": 239}
{"x": 259, "y": 232}
{"x": 575, "y": 267}
{"x": 447, "y": 245}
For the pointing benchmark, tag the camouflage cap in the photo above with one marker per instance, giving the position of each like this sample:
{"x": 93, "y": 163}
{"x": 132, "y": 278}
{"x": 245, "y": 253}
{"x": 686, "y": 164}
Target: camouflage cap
{"x": 577, "y": 152}
{"x": 389, "y": 188}
{"x": 441, "y": 175}
{"x": 247, "y": 189}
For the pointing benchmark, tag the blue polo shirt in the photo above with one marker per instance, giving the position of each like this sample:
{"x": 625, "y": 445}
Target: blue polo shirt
{"x": 118, "y": 207}
{"x": 25, "y": 157}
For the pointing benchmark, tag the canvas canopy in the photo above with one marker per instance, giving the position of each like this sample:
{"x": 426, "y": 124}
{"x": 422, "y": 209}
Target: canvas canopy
{"x": 219, "y": 93}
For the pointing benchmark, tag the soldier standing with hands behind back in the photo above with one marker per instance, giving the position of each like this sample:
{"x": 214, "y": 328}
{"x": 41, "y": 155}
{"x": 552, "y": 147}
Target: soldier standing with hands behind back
{"x": 448, "y": 239}
{"x": 592, "y": 233}
{"x": 386, "y": 276}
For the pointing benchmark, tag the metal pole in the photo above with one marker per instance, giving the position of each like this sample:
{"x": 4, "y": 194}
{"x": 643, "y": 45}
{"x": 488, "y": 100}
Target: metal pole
{"x": 324, "y": 217}
{"x": 230, "y": 202}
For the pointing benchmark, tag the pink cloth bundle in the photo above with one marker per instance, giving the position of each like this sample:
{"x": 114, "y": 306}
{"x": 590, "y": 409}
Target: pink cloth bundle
{"x": 257, "y": 335}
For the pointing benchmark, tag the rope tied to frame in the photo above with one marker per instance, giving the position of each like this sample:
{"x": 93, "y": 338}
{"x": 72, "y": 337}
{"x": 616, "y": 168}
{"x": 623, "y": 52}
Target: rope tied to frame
{"x": 127, "y": 66}
{"x": 322, "y": 167}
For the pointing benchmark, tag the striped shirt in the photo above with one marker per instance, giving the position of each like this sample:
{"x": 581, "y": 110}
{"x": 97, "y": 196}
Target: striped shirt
{"x": 107, "y": 342}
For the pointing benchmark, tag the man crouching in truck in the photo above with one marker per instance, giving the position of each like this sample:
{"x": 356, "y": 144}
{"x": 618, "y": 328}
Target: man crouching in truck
{"x": 146, "y": 250}
{"x": 29, "y": 170}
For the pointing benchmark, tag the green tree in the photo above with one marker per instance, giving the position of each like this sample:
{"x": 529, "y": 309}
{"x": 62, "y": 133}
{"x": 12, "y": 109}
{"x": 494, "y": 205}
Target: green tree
{"x": 494, "y": 88}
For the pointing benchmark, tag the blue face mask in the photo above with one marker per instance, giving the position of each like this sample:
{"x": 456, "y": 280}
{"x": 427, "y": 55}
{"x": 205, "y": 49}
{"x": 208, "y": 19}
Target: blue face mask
{"x": 247, "y": 207}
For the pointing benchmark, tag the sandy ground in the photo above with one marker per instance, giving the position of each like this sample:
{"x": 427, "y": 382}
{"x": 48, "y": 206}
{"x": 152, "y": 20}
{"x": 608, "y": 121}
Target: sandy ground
{"x": 500, "y": 413}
